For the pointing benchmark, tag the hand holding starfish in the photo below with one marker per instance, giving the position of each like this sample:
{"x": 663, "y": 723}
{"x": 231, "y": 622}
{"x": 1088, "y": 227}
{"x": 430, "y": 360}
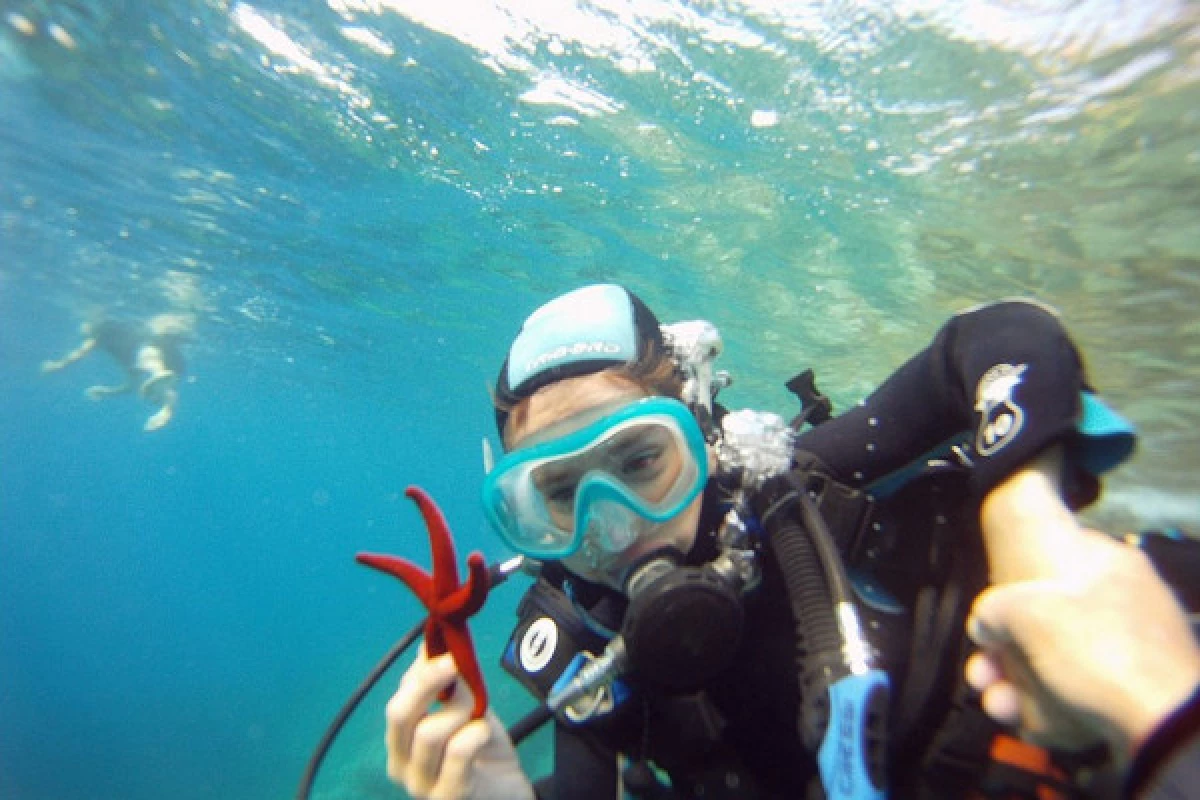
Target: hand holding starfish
{"x": 461, "y": 749}
{"x": 449, "y": 603}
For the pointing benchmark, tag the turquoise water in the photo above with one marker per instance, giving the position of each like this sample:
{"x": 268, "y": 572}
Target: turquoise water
{"x": 358, "y": 201}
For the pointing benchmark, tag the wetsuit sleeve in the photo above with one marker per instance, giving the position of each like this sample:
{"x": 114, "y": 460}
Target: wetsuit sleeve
{"x": 1167, "y": 766}
{"x": 1005, "y": 377}
{"x": 582, "y": 769}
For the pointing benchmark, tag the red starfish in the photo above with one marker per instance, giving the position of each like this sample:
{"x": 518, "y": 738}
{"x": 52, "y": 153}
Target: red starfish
{"x": 449, "y": 602}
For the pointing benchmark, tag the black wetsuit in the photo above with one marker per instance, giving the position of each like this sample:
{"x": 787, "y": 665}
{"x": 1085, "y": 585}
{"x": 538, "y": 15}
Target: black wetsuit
{"x": 1167, "y": 766}
{"x": 739, "y": 738}
{"x": 123, "y": 340}
{"x": 119, "y": 339}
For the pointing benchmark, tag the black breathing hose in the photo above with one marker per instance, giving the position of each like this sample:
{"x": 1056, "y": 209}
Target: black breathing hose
{"x": 335, "y": 727}
{"x": 529, "y": 723}
{"x": 497, "y": 574}
{"x": 816, "y": 582}
{"x": 805, "y": 582}
{"x": 827, "y": 552}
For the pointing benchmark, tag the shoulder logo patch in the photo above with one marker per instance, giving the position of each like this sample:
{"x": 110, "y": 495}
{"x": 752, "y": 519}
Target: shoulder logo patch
{"x": 538, "y": 644}
{"x": 1000, "y": 418}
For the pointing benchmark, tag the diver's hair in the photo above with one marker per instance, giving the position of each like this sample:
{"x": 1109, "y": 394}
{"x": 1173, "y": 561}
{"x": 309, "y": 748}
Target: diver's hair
{"x": 656, "y": 372}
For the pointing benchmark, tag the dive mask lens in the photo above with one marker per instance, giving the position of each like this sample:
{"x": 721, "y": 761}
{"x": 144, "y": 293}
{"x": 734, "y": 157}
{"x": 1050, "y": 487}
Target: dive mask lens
{"x": 648, "y": 457}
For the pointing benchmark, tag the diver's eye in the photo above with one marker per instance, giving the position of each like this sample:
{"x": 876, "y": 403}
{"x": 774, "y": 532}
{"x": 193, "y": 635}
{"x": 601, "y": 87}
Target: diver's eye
{"x": 643, "y": 463}
{"x": 560, "y": 495}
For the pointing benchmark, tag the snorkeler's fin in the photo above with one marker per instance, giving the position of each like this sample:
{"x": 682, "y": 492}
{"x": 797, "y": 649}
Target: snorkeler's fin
{"x": 159, "y": 419}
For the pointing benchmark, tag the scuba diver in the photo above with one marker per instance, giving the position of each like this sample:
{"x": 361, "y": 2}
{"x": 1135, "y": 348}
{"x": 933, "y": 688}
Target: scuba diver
{"x": 728, "y": 604}
{"x": 148, "y": 352}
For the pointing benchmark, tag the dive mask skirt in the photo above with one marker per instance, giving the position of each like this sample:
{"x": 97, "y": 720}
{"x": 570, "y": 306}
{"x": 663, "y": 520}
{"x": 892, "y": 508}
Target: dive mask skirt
{"x": 648, "y": 456}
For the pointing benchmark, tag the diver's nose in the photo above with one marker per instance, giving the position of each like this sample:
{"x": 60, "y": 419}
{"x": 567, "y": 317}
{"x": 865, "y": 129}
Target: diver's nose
{"x": 611, "y": 527}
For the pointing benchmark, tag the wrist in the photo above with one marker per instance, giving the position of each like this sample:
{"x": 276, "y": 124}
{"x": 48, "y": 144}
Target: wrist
{"x": 1031, "y": 491}
{"x": 1153, "y": 707}
{"x": 1164, "y": 741}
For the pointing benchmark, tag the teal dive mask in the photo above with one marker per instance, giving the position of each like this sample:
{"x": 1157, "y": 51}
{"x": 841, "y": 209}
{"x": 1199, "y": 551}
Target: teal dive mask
{"x": 648, "y": 457}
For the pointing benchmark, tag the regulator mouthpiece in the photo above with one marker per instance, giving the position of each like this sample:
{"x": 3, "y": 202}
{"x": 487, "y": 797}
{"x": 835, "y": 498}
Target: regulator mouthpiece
{"x": 683, "y": 623}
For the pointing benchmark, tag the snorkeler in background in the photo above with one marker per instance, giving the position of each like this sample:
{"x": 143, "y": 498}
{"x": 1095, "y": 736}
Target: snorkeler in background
{"x": 149, "y": 352}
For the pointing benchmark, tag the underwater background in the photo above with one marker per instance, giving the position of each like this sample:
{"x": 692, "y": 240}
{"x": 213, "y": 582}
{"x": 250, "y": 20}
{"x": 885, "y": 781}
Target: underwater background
{"x": 354, "y": 203}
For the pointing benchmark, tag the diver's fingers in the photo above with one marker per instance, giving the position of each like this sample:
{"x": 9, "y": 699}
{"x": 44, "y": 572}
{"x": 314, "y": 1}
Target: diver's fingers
{"x": 1002, "y": 702}
{"x": 419, "y": 688}
{"x": 1021, "y": 702}
{"x": 458, "y": 764}
{"x": 430, "y": 748}
{"x": 982, "y": 670}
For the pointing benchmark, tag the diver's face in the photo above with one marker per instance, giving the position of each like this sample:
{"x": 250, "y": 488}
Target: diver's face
{"x": 650, "y": 467}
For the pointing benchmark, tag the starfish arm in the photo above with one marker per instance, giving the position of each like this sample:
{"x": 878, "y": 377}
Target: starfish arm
{"x": 448, "y": 602}
{"x": 445, "y": 566}
{"x": 479, "y": 580}
{"x": 416, "y": 579}
{"x": 458, "y": 638}
{"x": 435, "y": 636}
{"x": 468, "y": 598}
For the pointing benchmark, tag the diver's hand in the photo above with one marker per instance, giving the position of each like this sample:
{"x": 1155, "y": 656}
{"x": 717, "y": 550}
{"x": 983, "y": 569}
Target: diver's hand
{"x": 1103, "y": 651}
{"x": 51, "y": 365}
{"x": 441, "y": 753}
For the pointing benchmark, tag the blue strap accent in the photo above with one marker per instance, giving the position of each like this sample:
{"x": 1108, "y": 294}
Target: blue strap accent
{"x": 872, "y": 594}
{"x": 893, "y": 482}
{"x": 569, "y": 673}
{"x": 857, "y": 704}
{"x": 1105, "y": 440}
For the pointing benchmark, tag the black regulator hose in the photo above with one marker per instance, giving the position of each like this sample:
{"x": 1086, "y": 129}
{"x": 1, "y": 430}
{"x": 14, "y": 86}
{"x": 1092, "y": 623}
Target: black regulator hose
{"x": 806, "y": 582}
{"x": 529, "y": 723}
{"x": 335, "y": 727}
{"x": 812, "y": 589}
{"x": 497, "y": 574}
{"x": 826, "y": 549}
{"x": 841, "y": 694}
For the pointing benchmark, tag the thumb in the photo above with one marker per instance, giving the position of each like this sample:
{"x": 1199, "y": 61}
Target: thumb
{"x": 999, "y": 609}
